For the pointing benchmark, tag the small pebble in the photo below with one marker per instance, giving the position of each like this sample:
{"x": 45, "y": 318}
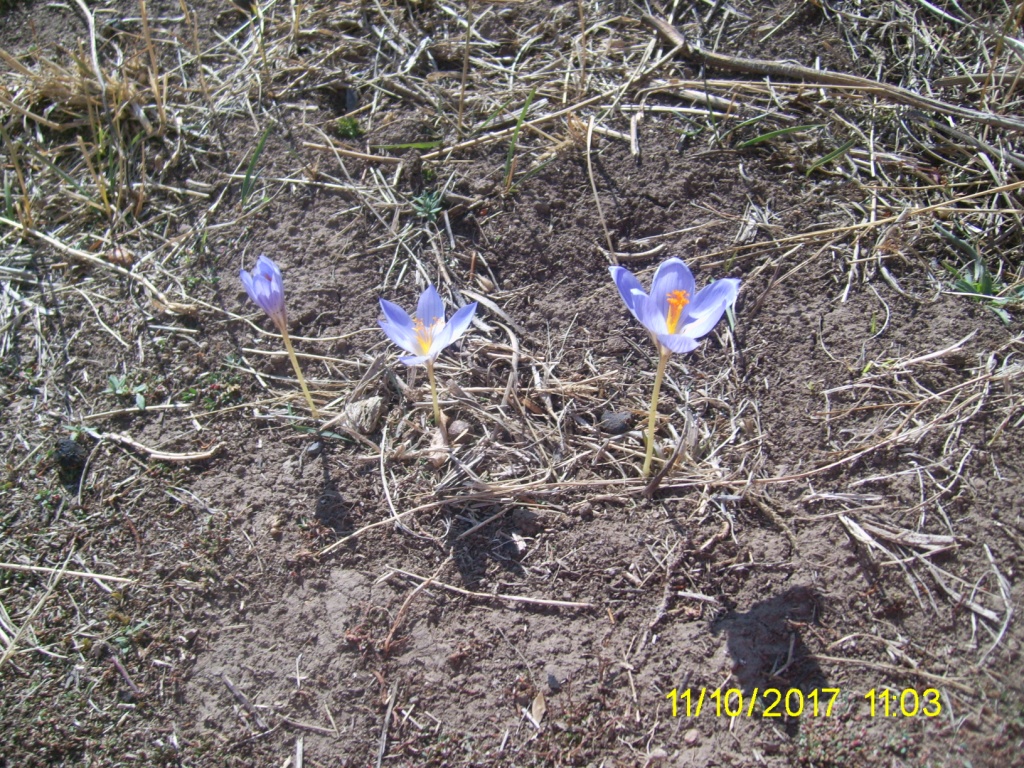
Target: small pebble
{"x": 313, "y": 449}
{"x": 554, "y": 685}
{"x": 70, "y": 458}
{"x": 460, "y": 430}
{"x": 616, "y": 422}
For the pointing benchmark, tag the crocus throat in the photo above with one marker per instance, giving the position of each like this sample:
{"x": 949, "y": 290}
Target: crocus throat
{"x": 424, "y": 334}
{"x": 677, "y": 301}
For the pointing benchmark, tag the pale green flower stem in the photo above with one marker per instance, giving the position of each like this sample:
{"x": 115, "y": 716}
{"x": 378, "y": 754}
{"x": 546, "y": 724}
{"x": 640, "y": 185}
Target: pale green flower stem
{"x": 298, "y": 370}
{"x": 653, "y": 417}
{"x": 433, "y": 396}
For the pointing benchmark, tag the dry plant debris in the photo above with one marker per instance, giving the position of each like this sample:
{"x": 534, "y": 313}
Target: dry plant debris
{"x": 195, "y": 572}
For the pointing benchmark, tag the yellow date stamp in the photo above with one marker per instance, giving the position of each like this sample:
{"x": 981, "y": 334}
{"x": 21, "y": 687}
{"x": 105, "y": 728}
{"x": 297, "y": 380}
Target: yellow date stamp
{"x": 734, "y": 703}
{"x": 794, "y": 702}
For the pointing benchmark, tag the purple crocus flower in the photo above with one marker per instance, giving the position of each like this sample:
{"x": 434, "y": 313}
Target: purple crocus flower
{"x": 266, "y": 288}
{"x": 675, "y": 316}
{"x": 426, "y": 334}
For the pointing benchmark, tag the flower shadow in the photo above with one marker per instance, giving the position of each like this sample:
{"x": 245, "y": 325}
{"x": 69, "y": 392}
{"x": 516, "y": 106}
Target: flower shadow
{"x": 502, "y": 542}
{"x": 769, "y": 653}
{"x": 332, "y": 508}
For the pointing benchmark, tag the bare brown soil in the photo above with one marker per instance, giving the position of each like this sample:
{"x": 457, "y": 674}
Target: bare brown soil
{"x": 844, "y": 510}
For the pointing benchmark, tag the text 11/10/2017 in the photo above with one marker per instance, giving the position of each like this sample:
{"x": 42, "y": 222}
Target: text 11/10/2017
{"x": 794, "y": 702}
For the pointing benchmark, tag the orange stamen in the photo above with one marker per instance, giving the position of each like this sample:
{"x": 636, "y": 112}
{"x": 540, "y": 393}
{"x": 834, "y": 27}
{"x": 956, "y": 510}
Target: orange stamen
{"x": 677, "y": 301}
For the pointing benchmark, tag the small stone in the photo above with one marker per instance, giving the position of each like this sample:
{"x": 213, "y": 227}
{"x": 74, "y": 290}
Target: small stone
{"x": 691, "y": 737}
{"x": 70, "y": 458}
{"x": 459, "y": 430}
{"x": 616, "y": 422}
{"x": 364, "y": 415}
{"x": 314, "y": 449}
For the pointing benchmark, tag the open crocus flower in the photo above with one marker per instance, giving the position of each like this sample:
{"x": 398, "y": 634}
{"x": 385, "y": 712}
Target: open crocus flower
{"x": 266, "y": 288}
{"x": 427, "y": 334}
{"x": 675, "y": 316}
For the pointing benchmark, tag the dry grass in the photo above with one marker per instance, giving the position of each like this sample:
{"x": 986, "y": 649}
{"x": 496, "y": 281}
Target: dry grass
{"x": 100, "y": 208}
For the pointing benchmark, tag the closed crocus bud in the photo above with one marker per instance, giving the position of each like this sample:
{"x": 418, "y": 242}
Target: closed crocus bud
{"x": 266, "y": 288}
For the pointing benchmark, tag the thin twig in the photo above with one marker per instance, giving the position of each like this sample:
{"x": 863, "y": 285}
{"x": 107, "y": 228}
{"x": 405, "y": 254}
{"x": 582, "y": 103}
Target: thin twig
{"x": 824, "y": 77}
{"x": 597, "y": 198}
{"x": 153, "y": 453}
{"x": 80, "y": 574}
{"x": 496, "y": 596}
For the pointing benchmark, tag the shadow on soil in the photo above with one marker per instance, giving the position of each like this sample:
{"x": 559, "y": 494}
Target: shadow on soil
{"x": 769, "y": 654}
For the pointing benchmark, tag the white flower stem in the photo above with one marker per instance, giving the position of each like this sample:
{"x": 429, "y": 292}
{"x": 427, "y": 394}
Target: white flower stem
{"x": 653, "y": 416}
{"x": 433, "y": 395}
{"x": 298, "y": 371}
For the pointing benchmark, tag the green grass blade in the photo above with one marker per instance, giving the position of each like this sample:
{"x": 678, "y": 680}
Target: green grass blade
{"x": 53, "y": 168}
{"x": 250, "y": 180}
{"x": 774, "y": 135}
{"x": 958, "y": 243}
{"x": 833, "y": 155}
{"x": 412, "y": 145}
{"x": 530, "y": 174}
{"x": 494, "y": 115}
{"x": 515, "y": 138}
{"x": 750, "y": 121}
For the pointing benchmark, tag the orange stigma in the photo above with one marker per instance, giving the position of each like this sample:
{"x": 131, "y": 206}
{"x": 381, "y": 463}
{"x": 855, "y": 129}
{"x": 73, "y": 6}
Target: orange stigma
{"x": 677, "y": 301}
{"x": 424, "y": 335}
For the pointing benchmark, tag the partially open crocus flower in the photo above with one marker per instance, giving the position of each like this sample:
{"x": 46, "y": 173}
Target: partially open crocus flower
{"x": 676, "y": 316}
{"x": 265, "y": 286}
{"x": 425, "y": 335}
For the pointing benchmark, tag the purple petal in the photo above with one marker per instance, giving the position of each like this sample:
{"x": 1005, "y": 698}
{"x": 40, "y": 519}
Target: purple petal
{"x": 400, "y": 335}
{"x": 246, "y": 279}
{"x": 266, "y": 266}
{"x": 708, "y": 306}
{"x": 430, "y": 308}
{"x": 677, "y": 343}
{"x": 651, "y": 315}
{"x": 454, "y": 329}
{"x": 399, "y": 327}
{"x": 395, "y": 315}
{"x": 268, "y": 275}
{"x": 629, "y": 288}
{"x": 266, "y": 287}
{"x": 271, "y": 298}
{"x": 416, "y": 359}
{"x": 672, "y": 275}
